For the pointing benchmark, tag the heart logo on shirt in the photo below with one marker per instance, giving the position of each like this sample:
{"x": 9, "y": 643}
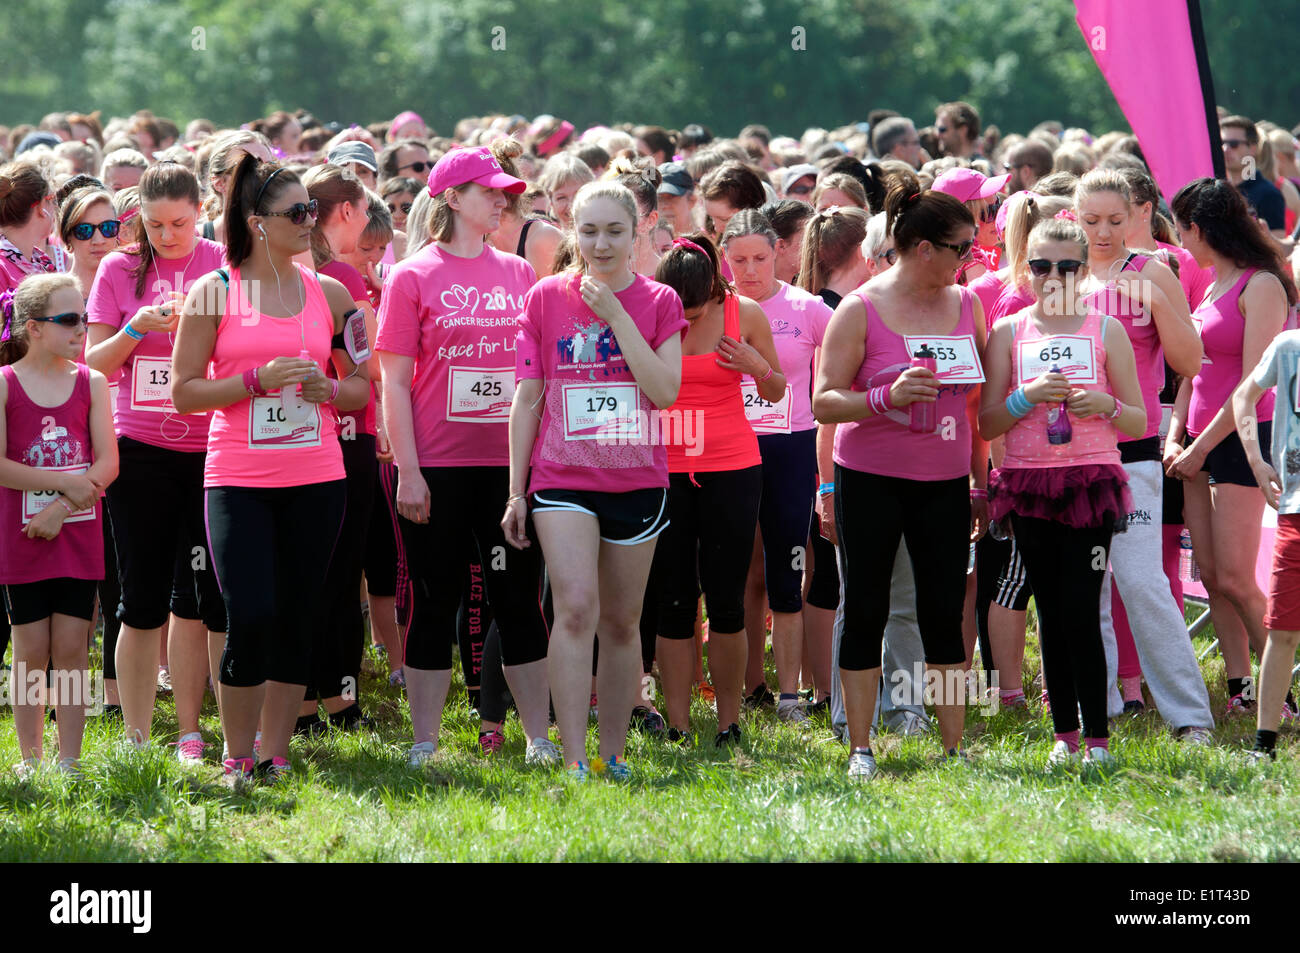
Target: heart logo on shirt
{"x": 459, "y": 298}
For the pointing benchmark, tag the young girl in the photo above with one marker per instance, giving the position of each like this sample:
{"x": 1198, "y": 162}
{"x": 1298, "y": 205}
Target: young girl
{"x": 1063, "y": 497}
{"x": 57, "y": 453}
{"x": 598, "y": 505}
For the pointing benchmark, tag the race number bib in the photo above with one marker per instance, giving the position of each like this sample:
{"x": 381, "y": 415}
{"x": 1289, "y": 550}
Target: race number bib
{"x": 766, "y": 416}
{"x": 36, "y": 500}
{"x": 478, "y": 395}
{"x": 269, "y": 428}
{"x": 1073, "y": 354}
{"x": 1166, "y": 416}
{"x": 151, "y": 385}
{"x": 956, "y": 356}
{"x": 604, "y": 412}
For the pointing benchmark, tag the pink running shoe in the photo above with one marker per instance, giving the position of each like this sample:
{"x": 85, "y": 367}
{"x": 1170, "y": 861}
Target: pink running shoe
{"x": 490, "y": 742}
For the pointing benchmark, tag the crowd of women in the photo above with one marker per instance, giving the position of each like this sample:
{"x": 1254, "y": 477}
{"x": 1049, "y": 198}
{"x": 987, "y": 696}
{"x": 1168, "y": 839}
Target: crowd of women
{"x": 590, "y": 409}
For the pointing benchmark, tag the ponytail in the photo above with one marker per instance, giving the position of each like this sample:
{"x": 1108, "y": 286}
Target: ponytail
{"x": 252, "y": 188}
{"x": 690, "y": 267}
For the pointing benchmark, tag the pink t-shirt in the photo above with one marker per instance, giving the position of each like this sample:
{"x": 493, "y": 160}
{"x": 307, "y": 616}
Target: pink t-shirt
{"x": 798, "y": 320}
{"x": 458, "y": 318}
{"x": 50, "y": 438}
{"x": 144, "y": 410}
{"x": 988, "y": 287}
{"x": 251, "y": 444}
{"x": 884, "y": 444}
{"x": 350, "y": 278}
{"x": 562, "y": 342}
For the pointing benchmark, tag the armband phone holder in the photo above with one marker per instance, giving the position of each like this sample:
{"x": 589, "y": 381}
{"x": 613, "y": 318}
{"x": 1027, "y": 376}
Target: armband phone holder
{"x": 354, "y": 336}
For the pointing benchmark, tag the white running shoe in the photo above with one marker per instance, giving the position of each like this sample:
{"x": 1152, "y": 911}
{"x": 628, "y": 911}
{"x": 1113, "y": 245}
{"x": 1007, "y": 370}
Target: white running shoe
{"x": 862, "y": 765}
{"x": 421, "y": 754}
{"x": 1062, "y": 755}
{"x": 1195, "y": 735}
{"x": 189, "y": 749}
{"x": 791, "y": 710}
{"x": 1099, "y": 757}
{"x": 543, "y": 751}
{"x": 913, "y": 724}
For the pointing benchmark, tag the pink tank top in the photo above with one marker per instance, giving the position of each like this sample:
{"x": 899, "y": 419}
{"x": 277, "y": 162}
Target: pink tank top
{"x": 1094, "y": 438}
{"x": 49, "y": 438}
{"x": 1145, "y": 338}
{"x": 250, "y": 443}
{"x": 726, "y": 440}
{"x": 1223, "y": 330}
{"x": 884, "y": 444}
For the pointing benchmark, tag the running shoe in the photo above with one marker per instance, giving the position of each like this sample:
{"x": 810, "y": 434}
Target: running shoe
{"x": 593, "y": 710}
{"x": 817, "y": 709}
{"x": 238, "y": 772}
{"x": 729, "y": 737}
{"x": 1099, "y": 757}
{"x": 862, "y": 765}
{"x": 189, "y": 750}
{"x": 397, "y": 679}
{"x": 1238, "y": 705}
{"x": 543, "y": 751}
{"x": 684, "y": 738}
{"x": 274, "y": 771}
{"x": 617, "y": 769}
{"x": 112, "y": 711}
{"x": 1134, "y": 706}
{"x": 421, "y": 754}
{"x": 164, "y": 681}
{"x": 760, "y": 697}
{"x": 1195, "y": 735}
{"x": 1257, "y": 758}
{"x": 491, "y": 741}
{"x": 956, "y": 756}
{"x": 578, "y": 771}
{"x": 913, "y": 724}
{"x": 27, "y": 767}
{"x": 1016, "y": 702}
{"x": 647, "y": 719}
{"x": 1289, "y": 713}
{"x": 791, "y": 710}
{"x": 71, "y": 767}
{"x": 1062, "y": 755}
{"x": 310, "y": 726}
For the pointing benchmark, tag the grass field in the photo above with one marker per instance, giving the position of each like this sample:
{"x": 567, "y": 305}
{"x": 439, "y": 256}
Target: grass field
{"x": 782, "y": 795}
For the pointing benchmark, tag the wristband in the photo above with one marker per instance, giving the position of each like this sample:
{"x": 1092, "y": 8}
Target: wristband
{"x": 1119, "y": 408}
{"x": 131, "y": 332}
{"x": 879, "y": 400}
{"x": 334, "y": 390}
{"x": 765, "y": 376}
{"x": 825, "y": 489}
{"x": 513, "y": 497}
{"x": 252, "y": 383}
{"x": 1018, "y": 405}
{"x": 979, "y": 493}
{"x": 70, "y": 510}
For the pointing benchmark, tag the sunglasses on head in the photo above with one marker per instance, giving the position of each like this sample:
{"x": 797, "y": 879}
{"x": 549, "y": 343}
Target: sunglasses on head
{"x": 85, "y": 230}
{"x": 297, "y": 213}
{"x": 990, "y": 212}
{"x": 963, "y": 250}
{"x": 417, "y": 166}
{"x": 69, "y": 319}
{"x": 1041, "y": 267}
{"x": 405, "y": 207}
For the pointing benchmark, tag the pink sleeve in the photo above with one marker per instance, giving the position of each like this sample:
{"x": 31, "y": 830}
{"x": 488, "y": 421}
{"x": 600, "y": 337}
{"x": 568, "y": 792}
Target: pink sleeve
{"x": 399, "y": 318}
{"x": 670, "y": 318}
{"x": 101, "y": 305}
{"x": 528, "y": 350}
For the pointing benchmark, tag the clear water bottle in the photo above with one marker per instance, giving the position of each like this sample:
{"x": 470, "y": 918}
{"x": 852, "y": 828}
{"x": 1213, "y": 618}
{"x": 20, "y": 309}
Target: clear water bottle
{"x": 1188, "y": 571}
{"x": 1059, "y": 430}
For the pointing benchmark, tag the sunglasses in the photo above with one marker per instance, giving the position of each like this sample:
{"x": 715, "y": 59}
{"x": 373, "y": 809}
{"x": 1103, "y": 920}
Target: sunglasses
{"x": 417, "y": 166}
{"x": 889, "y": 254}
{"x": 799, "y": 190}
{"x": 1041, "y": 267}
{"x": 85, "y": 230}
{"x": 1234, "y": 143}
{"x": 297, "y": 213}
{"x": 70, "y": 319}
{"x": 405, "y": 207}
{"x": 990, "y": 212}
{"x": 941, "y": 129}
{"x": 963, "y": 250}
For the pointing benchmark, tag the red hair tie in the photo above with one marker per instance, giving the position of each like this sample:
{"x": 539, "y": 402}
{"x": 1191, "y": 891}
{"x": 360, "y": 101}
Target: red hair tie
{"x": 687, "y": 243}
{"x": 1067, "y": 214}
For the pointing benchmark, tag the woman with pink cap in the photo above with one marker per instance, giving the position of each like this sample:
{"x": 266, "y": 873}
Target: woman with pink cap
{"x": 407, "y": 125}
{"x": 980, "y": 194}
{"x": 446, "y": 347}
{"x": 548, "y": 135}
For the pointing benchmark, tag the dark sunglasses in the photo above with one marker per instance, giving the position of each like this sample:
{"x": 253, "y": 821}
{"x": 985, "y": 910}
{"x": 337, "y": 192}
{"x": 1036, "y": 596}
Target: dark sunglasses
{"x": 1041, "y": 267}
{"x": 1234, "y": 143}
{"x": 417, "y": 166}
{"x": 298, "y": 212}
{"x": 70, "y": 319}
{"x": 963, "y": 250}
{"x": 405, "y": 207}
{"x": 990, "y": 212}
{"x": 799, "y": 190}
{"x": 889, "y": 254}
{"x": 85, "y": 230}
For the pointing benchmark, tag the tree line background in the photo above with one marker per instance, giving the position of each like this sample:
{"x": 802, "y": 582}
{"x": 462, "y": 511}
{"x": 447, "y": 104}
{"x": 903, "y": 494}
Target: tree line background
{"x": 669, "y": 62}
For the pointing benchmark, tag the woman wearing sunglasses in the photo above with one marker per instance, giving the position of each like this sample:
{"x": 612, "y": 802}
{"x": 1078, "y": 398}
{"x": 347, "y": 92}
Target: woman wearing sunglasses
{"x": 1064, "y": 499}
{"x": 57, "y": 432}
{"x": 399, "y": 195}
{"x": 895, "y": 483}
{"x": 406, "y": 158}
{"x": 981, "y": 196}
{"x": 446, "y": 346}
{"x": 89, "y": 228}
{"x": 25, "y": 223}
{"x": 274, "y": 483}
{"x": 134, "y": 306}
{"x": 1147, "y": 300}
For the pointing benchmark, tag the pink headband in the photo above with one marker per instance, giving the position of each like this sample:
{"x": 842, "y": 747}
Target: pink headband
{"x": 687, "y": 243}
{"x": 555, "y": 138}
{"x": 128, "y": 215}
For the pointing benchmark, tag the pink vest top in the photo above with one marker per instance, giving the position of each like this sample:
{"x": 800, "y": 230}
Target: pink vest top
{"x": 885, "y": 445}
{"x": 1145, "y": 338}
{"x": 1223, "y": 330}
{"x": 50, "y": 438}
{"x": 250, "y": 443}
{"x": 1094, "y": 438}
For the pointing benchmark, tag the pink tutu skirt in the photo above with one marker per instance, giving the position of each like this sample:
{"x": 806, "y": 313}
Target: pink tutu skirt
{"x": 1082, "y": 497}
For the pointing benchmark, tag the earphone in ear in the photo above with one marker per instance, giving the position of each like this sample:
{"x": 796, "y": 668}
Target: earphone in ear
{"x": 262, "y": 230}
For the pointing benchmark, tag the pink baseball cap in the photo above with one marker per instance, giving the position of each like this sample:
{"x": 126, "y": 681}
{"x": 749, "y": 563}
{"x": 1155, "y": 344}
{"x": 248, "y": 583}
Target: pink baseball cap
{"x": 404, "y": 119}
{"x": 472, "y": 165}
{"x": 1005, "y": 211}
{"x": 967, "y": 185}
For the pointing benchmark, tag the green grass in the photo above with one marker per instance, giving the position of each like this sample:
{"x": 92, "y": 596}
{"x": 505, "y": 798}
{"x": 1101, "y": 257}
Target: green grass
{"x": 782, "y": 795}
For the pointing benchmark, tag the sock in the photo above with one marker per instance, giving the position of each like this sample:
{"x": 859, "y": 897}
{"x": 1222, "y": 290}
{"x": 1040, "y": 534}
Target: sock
{"x": 1097, "y": 743}
{"x": 861, "y": 750}
{"x": 1071, "y": 738}
{"x": 789, "y": 697}
{"x": 1131, "y": 687}
{"x": 1265, "y": 740}
{"x": 1010, "y": 694}
{"x": 1235, "y": 686}
{"x": 1290, "y": 699}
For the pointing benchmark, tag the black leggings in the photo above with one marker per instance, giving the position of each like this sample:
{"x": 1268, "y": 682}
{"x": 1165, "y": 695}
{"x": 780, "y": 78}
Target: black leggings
{"x": 271, "y": 549}
{"x": 110, "y": 595}
{"x": 872, "y": 513}
{"x": 473, "y": 619}
{"x": 467, "y": 504}
{"x": 1066, "y": 567}
{"x": 824, "y": 587}
{"x": 708, "y": 544}
{"x": 789, "y": 486}
{"x": 341, "y": 639}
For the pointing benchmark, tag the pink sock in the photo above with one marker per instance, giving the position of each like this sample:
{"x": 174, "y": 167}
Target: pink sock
{"x": 1131, "y": 687}
{"x": 1071, "y": 738}
{"x": 1007, "y": 694}
{"x": 1097, "y": 743}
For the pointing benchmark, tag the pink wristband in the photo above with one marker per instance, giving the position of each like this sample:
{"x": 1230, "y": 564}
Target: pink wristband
{"x": 879, "y": 400}
{"x": 760, "y": 380}
{"x": 978, "y": 493}
{"x": 65, "y": 504}
{"x": 252, "y": 384}
{"x": 334, "y": 390}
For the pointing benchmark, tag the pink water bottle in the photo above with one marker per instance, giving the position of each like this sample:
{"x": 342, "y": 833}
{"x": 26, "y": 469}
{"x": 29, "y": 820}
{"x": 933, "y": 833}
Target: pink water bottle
{"x": 924, "y": 418}
{"x": 1059, "y": 430}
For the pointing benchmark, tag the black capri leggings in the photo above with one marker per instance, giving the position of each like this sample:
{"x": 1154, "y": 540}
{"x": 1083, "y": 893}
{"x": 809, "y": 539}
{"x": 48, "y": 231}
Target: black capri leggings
{"x": 789, "y": 485}
{"x": 468, "y": 502}
{"x": 871, "y": 514}
{"x": 824, "y": 587}
{"x": 271, "y": 548}
{"x": 156, "y": 505}
{"x": 708, "y": 544}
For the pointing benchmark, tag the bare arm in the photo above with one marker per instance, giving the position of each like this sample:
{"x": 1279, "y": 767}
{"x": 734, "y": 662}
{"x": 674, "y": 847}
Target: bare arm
{"x": 1163, "y": 297}
{"x": 755, "y": 353}
{"x": 413, "y": 497}
{"x": 658, "y": 372}
{"x": 525, "y": 419}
